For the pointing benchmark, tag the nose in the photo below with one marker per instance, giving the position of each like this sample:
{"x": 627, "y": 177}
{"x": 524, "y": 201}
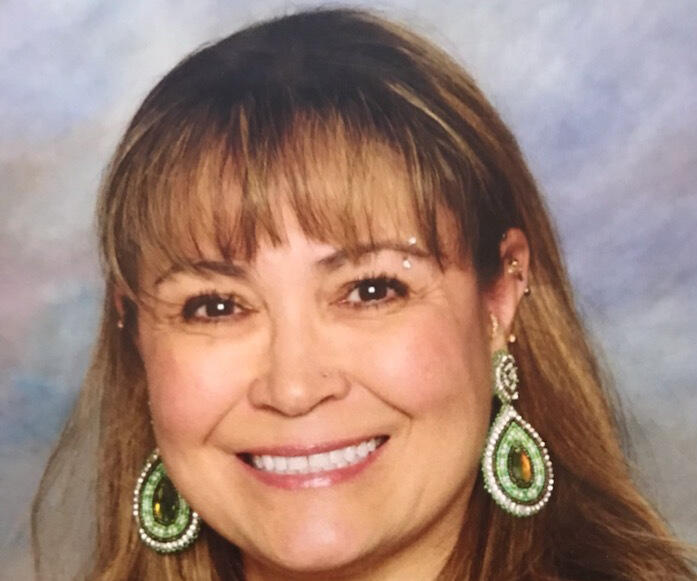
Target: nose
{"x": 301, "y": 371}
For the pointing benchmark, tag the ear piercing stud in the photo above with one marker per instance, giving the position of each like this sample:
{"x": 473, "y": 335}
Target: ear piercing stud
{"x": 514, "y": 267}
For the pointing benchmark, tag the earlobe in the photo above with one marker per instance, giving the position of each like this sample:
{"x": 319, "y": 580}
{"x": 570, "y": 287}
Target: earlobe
{"x": 118, "y": 297}
{"x": 504, "y": 294}
{"x": 126, "y": 316}
{"x": 124, "y": 307}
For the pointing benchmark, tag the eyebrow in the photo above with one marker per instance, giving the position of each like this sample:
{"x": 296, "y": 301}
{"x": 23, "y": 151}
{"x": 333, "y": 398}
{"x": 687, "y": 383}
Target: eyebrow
{"x": 226, "y": 268}
{"x": 356, "y": 254}
{"x": 333, "y": 261}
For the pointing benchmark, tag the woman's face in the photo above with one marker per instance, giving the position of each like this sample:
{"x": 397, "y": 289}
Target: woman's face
{"x": 320, "y": 411}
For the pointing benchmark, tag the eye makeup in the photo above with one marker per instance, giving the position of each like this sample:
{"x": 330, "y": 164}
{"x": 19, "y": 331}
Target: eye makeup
{"x": 375, "y": 291}
{"x": 212, "y": 307}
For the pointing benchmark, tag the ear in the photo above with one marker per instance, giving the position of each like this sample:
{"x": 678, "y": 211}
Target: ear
{"x": 502, "y": 297}
{"x": 119, "y": 304}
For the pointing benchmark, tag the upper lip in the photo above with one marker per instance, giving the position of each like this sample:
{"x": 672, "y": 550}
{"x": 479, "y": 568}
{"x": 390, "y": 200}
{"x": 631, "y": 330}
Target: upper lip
{"x": 308, "y": 449}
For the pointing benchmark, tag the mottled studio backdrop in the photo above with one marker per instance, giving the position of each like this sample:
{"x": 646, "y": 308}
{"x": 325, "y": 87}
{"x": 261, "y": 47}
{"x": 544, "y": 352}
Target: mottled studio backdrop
{"x": 602, "y": 95}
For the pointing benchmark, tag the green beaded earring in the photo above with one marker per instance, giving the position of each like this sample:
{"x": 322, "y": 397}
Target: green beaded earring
{"x": 515, "y": 464}
{"x": 165, "y": 520}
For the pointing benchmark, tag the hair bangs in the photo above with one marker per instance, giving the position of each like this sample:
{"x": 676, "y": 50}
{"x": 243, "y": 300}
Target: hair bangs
{"x": 223, "y": 184}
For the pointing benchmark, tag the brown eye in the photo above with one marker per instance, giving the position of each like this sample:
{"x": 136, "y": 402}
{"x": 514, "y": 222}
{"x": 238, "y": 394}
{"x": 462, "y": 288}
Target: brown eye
{"x": 375, "y": 291}
{"x": 210, "y": 306}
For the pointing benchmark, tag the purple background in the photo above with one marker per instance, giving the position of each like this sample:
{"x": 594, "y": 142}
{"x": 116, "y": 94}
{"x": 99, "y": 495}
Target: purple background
{"x": 602, "y": 96}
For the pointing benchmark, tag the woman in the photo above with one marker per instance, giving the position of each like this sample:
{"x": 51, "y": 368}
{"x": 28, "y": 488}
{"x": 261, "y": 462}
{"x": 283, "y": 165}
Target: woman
{"x": 337, "y": 313}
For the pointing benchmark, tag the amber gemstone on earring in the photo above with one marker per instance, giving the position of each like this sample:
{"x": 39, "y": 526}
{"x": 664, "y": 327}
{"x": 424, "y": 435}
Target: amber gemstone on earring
{"x": 520, "y": 467}
{"x": 165, "y": 502}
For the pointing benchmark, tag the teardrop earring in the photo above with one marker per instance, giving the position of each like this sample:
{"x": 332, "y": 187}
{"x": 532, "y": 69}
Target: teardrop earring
{"x": 516, "y": 466}
{"x": 165, "y": 520}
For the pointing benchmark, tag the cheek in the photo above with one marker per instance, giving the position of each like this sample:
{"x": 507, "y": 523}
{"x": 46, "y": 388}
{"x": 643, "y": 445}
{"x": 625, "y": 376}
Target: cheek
{"x": 190, "y": 385}
{"x": 432, "y": 363}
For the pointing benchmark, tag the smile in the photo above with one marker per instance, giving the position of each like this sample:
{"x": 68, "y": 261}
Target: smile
{"x": 316, "y": 463}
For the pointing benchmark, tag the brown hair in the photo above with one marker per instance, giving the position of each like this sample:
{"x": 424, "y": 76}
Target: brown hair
{"x": 327, "y": 95}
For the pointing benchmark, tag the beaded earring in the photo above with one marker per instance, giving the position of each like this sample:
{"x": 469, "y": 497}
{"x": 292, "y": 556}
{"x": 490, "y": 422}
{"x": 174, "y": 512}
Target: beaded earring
{"x": 516, "y": 466}
{"x": 165, "y": 520}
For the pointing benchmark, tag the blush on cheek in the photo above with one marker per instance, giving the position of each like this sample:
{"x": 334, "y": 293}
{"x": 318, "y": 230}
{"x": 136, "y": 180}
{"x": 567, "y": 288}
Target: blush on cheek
{"x": 427, "y": 365}
{"x": 172, "y": 401}
{"x": 187, "y": 394}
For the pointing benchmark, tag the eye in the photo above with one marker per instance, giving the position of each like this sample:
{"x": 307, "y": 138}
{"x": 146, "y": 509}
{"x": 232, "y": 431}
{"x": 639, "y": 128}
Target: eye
{"x": 211, "y": 306}
{"x": 375, "y": 291}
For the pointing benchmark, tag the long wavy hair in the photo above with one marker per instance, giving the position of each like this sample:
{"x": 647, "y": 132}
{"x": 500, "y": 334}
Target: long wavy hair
{"x": 315, "y": 101}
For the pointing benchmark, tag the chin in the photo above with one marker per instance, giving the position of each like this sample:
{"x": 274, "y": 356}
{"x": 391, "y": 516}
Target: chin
{"x": 314, "y": 549}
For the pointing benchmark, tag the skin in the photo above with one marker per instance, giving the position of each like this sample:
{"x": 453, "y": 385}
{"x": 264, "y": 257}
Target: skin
{"x": 299, "y": 357}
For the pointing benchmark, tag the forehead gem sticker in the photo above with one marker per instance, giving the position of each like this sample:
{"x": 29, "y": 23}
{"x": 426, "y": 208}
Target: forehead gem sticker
{"x": 406, "y": 263}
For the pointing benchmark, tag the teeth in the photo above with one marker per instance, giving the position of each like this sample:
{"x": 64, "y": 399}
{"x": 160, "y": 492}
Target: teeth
{"x": 318, "y": 462}
{"x": 267, "y": 461}
{"x": 362, "y": 450}
{"x": 332, "y": 460}
{"x": 336, "y": 457}
{"x": 280, "y": 464}
{"x": 298, "y": 464}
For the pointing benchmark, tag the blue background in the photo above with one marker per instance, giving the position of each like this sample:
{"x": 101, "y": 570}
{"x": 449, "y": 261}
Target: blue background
{"x": 603, "y": 98}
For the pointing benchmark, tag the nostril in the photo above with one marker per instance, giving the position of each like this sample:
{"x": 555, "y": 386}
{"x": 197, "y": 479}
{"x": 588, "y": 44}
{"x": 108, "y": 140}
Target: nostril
{"x": 295, "y": 390}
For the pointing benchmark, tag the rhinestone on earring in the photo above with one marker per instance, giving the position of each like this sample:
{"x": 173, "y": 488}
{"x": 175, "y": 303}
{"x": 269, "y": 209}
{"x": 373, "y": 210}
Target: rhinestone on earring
{"x": 165, "y": 520}
{"x": 516, "y": 466}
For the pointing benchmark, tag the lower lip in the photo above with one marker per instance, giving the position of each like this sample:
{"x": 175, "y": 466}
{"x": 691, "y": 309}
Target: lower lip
{"x": 313, "y": 479}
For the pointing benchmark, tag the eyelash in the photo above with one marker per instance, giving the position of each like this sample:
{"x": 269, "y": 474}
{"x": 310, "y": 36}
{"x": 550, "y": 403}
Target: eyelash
{"x": 390, "y": 281}
{"x": 207, "y": 299}
{"x": 381, "y": 282}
